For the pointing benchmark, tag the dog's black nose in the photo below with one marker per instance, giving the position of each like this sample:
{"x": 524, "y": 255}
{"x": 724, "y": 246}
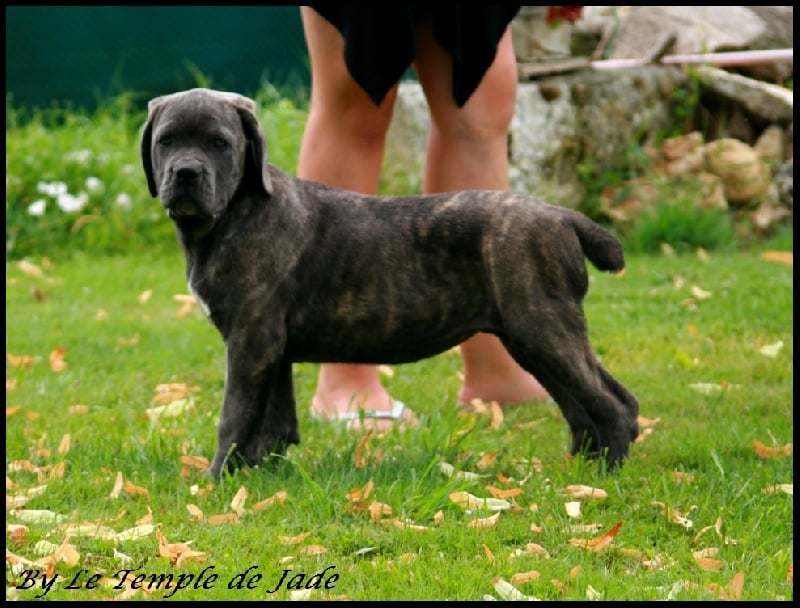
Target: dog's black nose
{"x": 187, "y": 171}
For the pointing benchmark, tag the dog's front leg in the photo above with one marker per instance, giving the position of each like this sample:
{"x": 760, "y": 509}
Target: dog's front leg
{"x": 279, "y": 422}
{"x": 252, "y": 369}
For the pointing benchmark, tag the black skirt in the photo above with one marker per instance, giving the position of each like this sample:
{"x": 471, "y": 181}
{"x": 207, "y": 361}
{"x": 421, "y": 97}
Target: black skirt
{"x": 381, "y": 40}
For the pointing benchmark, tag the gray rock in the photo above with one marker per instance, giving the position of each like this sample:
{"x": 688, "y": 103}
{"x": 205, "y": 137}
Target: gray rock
{"x": 585, "y": 119}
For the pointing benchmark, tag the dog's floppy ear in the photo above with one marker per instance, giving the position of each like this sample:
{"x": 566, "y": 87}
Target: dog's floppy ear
{"x": 257, "y": 143}
{"x": 153, "y": 109}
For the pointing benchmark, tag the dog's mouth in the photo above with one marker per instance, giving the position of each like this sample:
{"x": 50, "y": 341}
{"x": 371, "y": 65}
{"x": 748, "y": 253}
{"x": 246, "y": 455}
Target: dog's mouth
{"x": 189, "y": 217}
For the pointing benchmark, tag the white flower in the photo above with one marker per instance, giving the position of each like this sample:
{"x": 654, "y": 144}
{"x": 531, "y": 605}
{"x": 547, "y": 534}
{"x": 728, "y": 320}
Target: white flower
{"x": 124, "y": 200}
{"x": 79, "y": 156}
{"x": 93, "y": 184}
{"x": 52, "y": 188}
{"x": 37, "y": 207}
{"x": 69, "y": 203}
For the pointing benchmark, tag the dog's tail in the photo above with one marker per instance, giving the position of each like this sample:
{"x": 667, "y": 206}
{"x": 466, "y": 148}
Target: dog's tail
{"x": 600, "y": 246}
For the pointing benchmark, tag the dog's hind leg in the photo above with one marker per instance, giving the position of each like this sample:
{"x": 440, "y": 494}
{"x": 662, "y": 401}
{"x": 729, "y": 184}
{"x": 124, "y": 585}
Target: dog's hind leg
{"x": 601, "y": 413}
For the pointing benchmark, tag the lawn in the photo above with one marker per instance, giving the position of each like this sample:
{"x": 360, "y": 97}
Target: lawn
{"x": 114, "y": 384}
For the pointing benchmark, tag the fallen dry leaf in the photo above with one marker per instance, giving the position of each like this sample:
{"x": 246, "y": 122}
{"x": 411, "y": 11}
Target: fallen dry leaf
{"x": 20, "y": 360}
{"x": 378, "y": 510}
{"x": 89, "y": 530}
{"x": 20, "y": 500}
{"x": 196, "y": 462}
{"x": 470, "y": 502}
{"x": 30, "y": 269}
{"x": 647, "y": 422}
{"x": 300, "y": 595}
{"x": 581, "y": 491}
{"x": 147, "y": 518}
{"x": 18, "y": 534}
{"x": 781, "y": 257}
{"x": 673, "y": 515}
{"x": 520, "y": 578}
{"x": 735, "y": 589}
{"x": 313, "y": 550}
{"x": 38, "y": 516}
{"x": 177, "y": 553}
{"x": 170, "y": 410}
{"x": 57, "y": 363}
{"x": 488, "y": 552}
{"x": 278, "y": 498}
{"x": 403, "y": 525}
{"x": 293, "y": 540}
{"x": 132, "y": 341}
{"x": 187, "y": 302}
{"x": 508, "y": 592}
{"x": 357, "y": 497}
{"x": 585, "y": 528}
{"x": 134, "y": 490}
{"x": 717, "y": 526}
{"x": 497, "y": 415}
{"x": 67, "y": 553}
{"x": 771, "y": 350}
{"x": 115, "y": 491}
{"x": 765, "y": 451}
{"x": 195, "y": 512}
{"x": 237, "y": 504}
{"x": 484, "y": 522}
{"x": 449, "y": 470}
{"x": 786, "y": 488}
{"x": 63, "y": 445}
{"x": 498, "y": 493}
{"x": 682, "y": 477}
{"x": 573, "y": 509}
{"x": 705, "y": 559}
{"x": 359, "y": 458}
{"x": 699, "y": 293}
{"x": 531, "y": 549}
{"x": 599, "y": 542}
{"x": 136, "y": 532}
{"x": 171, "y": 391}
{"x": 145, "y": 296}
{"x": 486, "y": 460}
{"x": 223, "y": 518}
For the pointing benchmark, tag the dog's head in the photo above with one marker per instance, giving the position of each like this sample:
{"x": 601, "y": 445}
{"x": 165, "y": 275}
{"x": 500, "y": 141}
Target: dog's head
{"x": 197, "y": 147}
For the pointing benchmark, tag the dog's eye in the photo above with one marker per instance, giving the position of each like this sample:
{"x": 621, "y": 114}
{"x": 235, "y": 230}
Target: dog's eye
{"x": 220, "y": 142}
{"x": 165, "y": 140}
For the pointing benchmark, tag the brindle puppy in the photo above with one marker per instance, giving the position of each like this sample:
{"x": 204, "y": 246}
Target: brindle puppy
{"x": 290, "y": 270}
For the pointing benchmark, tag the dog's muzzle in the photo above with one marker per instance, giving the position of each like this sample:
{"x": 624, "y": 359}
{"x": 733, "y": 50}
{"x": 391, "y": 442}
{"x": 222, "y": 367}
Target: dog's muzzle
{"x": 186, "y": 191}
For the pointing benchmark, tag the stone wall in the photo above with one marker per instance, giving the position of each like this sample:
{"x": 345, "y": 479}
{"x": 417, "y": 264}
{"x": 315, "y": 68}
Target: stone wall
{"x": 560, "y": 123}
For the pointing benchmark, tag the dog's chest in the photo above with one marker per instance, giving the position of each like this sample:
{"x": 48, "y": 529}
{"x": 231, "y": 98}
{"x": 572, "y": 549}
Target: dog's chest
{"x": 200, "y": 301}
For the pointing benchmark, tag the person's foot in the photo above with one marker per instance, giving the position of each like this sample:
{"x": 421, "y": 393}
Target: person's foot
{"x": 344, "y": 389}
{"x": 491, "y": 374}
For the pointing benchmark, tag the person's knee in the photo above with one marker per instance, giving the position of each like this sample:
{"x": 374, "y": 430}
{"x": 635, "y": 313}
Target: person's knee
{"x": 352, "y": 113}
{"x": 488, "y": 112}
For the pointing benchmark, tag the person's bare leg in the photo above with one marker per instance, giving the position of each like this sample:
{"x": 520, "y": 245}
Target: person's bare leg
{"x": 343, "y": 146}
{"x": 468, "y": 149}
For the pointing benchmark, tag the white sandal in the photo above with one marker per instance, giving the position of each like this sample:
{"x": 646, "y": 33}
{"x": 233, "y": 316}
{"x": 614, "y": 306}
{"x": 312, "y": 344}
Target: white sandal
{"x": 396, "y": 413}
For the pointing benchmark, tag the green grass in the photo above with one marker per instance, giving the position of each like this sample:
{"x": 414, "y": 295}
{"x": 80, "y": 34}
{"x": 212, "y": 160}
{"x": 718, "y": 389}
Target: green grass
{"x": 648, "y": 327}
{"x": 77, "y": 285}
